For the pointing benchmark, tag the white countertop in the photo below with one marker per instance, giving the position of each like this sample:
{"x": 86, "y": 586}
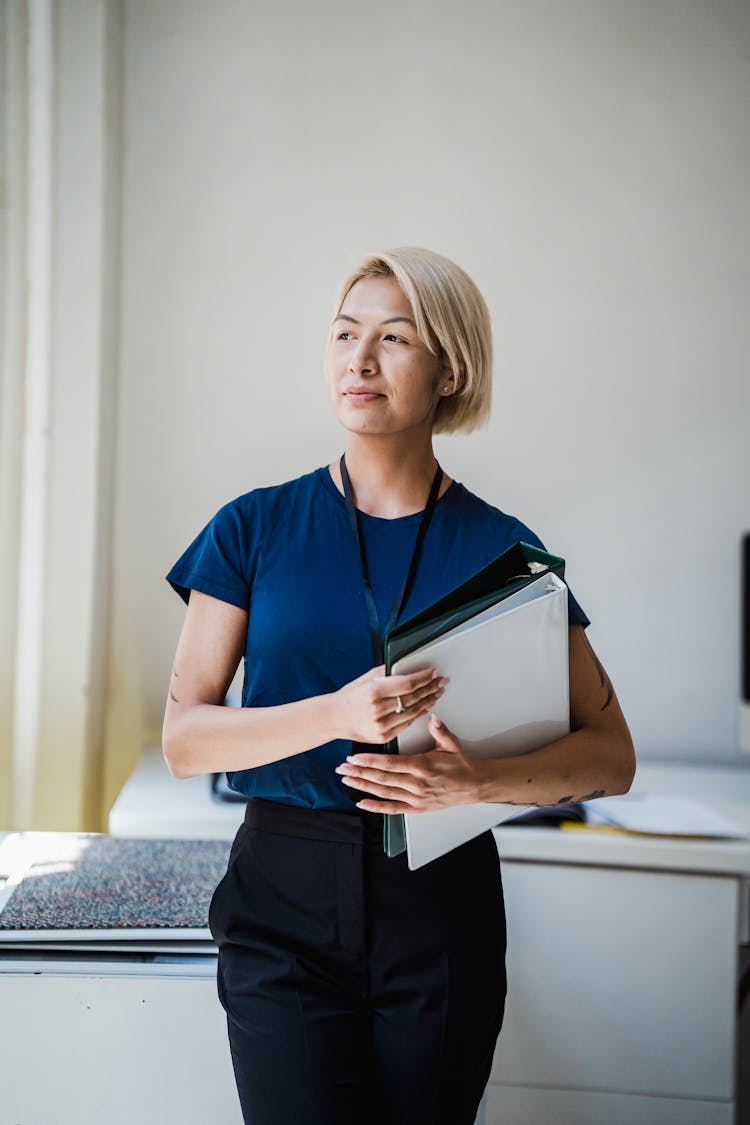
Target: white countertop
{"x": 723, "y": 790}
{"x": 619, "y": 849}
{"x": 153, "y": 803}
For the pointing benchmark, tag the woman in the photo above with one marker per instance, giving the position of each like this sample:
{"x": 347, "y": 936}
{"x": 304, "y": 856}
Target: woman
{"x": 357, "y": 990}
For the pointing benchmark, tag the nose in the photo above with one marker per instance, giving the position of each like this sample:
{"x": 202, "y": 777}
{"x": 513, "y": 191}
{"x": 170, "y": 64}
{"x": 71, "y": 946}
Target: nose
{"x": 362, "y": 361}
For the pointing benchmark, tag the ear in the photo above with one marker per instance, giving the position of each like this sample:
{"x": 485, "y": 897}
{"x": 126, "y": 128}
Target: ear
{"x": 451, "y": 382}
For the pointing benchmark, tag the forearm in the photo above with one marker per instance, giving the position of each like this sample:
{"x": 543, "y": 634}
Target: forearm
{"x": 201, "y": 736}
{"x": 208, "y": 738}
{"x": 582, "y": 765}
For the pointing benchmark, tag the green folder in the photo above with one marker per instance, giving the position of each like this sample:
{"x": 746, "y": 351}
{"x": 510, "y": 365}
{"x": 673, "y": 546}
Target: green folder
{"x": 520, "y": 565}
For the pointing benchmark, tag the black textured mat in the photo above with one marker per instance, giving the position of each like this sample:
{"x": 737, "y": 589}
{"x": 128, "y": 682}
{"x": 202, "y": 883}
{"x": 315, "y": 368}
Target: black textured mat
{"x": 97, "y": 882}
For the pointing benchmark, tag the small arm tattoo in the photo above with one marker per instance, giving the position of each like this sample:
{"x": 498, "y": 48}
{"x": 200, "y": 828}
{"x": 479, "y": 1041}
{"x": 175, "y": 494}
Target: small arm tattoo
{"x": 604, "y": 679}
{"x": 567, "y": 800}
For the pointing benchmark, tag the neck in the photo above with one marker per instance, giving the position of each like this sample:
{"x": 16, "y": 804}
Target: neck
{"x": 389, "y": 478}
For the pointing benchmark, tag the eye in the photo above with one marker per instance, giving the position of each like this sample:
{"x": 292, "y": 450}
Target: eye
{"x": 343, "y": 335}
{"x": 398, "y": 339}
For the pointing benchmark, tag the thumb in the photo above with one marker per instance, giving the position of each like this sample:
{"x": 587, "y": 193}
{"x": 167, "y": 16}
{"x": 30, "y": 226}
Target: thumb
{"x": 444, "y": 738}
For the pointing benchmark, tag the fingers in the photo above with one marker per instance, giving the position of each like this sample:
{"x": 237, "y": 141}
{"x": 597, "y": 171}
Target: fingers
{"x": 411, "y": 682}
{"x": 398, "y": 709}
{"x": 426, "y": 694}
{"x": 444, "y": 739}
{"x": 413, "y": 782}
{"x": 437, "y": 788}
{"x": 395, "y": 786}
{"x": 412, "y": 703}
{"x": 390, "y": 807}
{"x": 411, "y": 691}
{"x": 389, "y": 789}
{"x": 386, "y": 791}
{"x": 392, "y": 723}
{"x": 384, "y": 763}
{"x": 377, "y": 708}
{"x": 374, "y": 673}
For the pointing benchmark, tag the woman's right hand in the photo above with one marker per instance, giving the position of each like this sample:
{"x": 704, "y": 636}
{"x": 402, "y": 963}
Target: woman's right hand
{"x": 366, "y": 708}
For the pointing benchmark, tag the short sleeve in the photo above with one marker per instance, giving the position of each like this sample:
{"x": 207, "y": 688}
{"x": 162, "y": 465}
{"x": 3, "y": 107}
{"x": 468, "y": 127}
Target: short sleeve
{"x": 219, "y": 561}
{"x": 523, "y": 534}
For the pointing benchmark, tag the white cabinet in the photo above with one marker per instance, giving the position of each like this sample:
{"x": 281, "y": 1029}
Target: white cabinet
{"x": 89, "y": 1046}
{"x": 624, "y": 958}
{"x": 621, "y": 997}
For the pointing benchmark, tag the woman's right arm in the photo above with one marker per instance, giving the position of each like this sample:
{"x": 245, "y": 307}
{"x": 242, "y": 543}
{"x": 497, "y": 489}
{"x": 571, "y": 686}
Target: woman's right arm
{"x": 201, "y": 735}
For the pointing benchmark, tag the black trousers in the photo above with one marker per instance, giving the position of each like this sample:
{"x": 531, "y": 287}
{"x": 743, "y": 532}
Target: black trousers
{"x": 357, "y": 991}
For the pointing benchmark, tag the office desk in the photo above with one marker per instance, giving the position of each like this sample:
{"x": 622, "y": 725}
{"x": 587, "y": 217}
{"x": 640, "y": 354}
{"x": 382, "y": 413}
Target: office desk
{"x": 623, "y": 958}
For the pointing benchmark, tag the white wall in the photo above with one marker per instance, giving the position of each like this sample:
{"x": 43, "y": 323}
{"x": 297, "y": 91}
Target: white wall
{"x": 587, "y": 161}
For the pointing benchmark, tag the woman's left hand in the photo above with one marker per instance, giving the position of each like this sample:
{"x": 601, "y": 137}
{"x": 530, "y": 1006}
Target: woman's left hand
{"x": 408, "y": 783}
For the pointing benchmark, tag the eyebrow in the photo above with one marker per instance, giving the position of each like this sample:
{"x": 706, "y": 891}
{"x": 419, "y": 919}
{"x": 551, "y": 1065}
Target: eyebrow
{"x": 391, "y": 320}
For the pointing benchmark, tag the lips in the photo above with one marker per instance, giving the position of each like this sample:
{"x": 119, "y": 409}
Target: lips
{"x": 361, "y": 394}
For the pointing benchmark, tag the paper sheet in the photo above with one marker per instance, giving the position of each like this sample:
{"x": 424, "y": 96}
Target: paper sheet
{"x": 663, "y": 816}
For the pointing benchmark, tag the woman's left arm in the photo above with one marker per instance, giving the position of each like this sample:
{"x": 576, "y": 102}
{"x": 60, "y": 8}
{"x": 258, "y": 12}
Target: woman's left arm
{"x": 595, "y": 760}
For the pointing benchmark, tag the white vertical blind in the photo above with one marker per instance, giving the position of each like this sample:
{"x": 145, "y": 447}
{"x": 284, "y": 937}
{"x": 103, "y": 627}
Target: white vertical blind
{"x": 35, "y": 448}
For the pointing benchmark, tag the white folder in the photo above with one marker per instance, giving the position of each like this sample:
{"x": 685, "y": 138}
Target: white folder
{"x": 507, "y": 694}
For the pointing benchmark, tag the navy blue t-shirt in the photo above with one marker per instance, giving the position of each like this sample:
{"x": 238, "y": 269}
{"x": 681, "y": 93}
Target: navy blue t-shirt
{"x": 288, "y": 555}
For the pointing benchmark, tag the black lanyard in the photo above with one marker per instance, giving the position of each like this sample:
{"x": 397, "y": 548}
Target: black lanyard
{"x": 372, "y": 612}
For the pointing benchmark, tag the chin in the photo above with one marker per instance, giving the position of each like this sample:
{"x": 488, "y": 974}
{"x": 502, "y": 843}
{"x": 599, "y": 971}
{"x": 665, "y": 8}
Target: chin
{"x": 359, "y": 421}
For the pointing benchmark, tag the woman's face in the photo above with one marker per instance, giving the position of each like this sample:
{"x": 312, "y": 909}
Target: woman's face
{"x": 383, "y": 379}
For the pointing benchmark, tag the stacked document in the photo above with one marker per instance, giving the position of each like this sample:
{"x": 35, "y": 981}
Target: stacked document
{"x": 657, "y": 815}
{"x": 86, "y": 892}
{"x": 502, "y": 641}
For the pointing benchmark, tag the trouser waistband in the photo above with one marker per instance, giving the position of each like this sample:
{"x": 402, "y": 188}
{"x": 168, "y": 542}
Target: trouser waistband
{"x": 358, "y": 827}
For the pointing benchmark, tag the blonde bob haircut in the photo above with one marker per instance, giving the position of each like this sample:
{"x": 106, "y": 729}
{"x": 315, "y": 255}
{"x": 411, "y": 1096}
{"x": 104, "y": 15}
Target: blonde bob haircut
{"x": 452, "y": 321}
